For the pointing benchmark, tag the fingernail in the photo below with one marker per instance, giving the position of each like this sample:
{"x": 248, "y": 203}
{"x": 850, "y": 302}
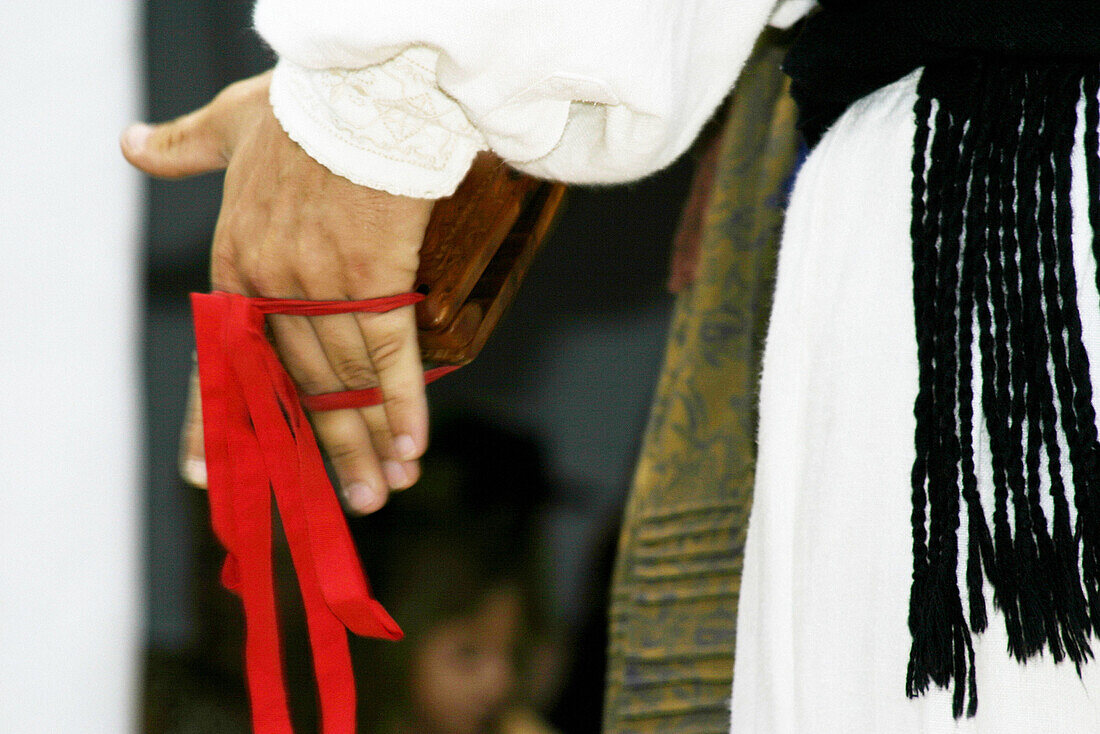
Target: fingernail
{"x": 405, "y": 447}
{"x": 395, "y": 474}
{"x": 194, "y": 472}
{"x": 135, "y": 136}
{"x": 362, "y": 497}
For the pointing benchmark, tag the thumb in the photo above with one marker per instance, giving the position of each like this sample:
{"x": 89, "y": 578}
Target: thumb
{"x": 183, "y": 147}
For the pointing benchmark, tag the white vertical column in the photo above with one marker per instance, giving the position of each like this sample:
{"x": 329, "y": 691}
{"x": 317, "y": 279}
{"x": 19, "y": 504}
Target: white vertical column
{"x": 70, "y": 610}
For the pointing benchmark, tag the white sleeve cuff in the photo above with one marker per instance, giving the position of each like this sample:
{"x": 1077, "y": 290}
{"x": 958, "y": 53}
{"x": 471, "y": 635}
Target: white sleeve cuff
{"x": 387, "y": 126}
{"x": 789, "y": 12}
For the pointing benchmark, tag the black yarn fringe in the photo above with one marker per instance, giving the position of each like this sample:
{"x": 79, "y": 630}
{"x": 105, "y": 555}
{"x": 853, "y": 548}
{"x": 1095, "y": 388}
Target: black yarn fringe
{"x": 993, "y": 267}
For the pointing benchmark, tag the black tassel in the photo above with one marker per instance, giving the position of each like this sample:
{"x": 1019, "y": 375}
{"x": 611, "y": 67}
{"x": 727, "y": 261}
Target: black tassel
{"x": 942, "y": 646}
{"x": 991, "y": 301}
{"x": 921, "y": 603}
{"x": 993, "y": 264}
{"x": 974, "y": 292}
{"x": 1087, "y": 496}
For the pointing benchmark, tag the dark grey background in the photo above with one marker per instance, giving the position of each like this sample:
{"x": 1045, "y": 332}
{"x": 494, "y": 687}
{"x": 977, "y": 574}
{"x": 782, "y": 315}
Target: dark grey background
{"x": 574, "y": 363}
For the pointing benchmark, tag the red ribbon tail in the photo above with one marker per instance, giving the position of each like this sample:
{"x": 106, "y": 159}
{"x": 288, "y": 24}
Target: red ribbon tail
{"x": 258, "y": 441}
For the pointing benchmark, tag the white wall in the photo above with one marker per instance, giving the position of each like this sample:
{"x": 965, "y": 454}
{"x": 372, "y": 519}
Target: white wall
{"x": 69, "y": 217}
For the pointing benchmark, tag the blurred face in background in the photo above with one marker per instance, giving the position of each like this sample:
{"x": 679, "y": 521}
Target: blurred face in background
{"x": 464, "y": 670}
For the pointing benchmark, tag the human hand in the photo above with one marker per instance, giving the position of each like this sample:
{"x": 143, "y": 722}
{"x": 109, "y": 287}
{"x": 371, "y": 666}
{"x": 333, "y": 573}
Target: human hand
{"x": 289, "y": 228}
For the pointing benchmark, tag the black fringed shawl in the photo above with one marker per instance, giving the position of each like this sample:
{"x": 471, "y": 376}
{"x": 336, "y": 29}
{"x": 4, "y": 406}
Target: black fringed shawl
{"x": 996, "y": 125}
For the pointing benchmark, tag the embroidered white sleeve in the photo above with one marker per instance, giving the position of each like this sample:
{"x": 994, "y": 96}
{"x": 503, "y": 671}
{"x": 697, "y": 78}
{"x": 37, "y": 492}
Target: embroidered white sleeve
{"x": 386, "y": 126}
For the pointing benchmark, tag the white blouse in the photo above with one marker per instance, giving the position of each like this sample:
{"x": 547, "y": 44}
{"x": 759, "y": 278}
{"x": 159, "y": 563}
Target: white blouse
{"x": 401, "y": 94}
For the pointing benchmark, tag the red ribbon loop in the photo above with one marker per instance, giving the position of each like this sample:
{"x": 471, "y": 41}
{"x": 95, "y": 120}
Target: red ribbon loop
{"x": 259, "y": 442}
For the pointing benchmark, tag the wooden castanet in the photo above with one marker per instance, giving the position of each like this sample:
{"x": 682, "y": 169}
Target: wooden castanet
{"x": 478, "y": 246}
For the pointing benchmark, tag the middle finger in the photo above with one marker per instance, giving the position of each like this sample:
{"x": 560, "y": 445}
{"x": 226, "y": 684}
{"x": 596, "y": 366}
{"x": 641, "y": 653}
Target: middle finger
{"x": 343, "y": 433}
{"x": 344, "y": 345}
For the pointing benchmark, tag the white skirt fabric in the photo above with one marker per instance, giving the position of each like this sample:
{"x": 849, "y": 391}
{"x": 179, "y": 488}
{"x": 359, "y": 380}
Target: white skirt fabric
{"x": 822, "y": 635}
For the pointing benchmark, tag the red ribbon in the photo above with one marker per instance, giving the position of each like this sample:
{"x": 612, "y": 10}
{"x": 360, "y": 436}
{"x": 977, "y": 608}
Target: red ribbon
{"x": 259, "y": 442}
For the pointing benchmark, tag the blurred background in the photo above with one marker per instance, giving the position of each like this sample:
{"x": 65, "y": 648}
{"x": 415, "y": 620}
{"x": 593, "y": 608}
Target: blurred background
{"x": 532, "y": 454}
{"x": 71, "y": 616}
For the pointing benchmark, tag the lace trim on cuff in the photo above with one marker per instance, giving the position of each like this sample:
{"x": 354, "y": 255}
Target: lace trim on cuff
{"x": 387, "y": 126}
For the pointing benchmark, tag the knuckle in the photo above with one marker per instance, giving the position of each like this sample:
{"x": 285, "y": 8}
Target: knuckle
{"x": 312, "y": 385}
{"x": 344, "y": 450}
{"x": 356, "y": 374}
{"x": 360, "y": 269}
{"x": 385, "y": 348}
{"x": 264, "y": 276}
{"x": 313, "y": 268}
{"x": 173, "y": 135}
